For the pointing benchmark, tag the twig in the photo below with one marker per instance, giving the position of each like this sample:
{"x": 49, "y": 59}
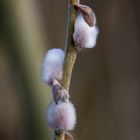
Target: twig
{"x": 70, "y": 54}
{"x": 70, "y": 50}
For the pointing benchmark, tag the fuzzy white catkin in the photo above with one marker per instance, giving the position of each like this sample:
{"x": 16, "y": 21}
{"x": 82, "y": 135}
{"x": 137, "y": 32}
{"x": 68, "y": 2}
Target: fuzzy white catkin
{"x": 52, "y": 66}
{"x": 84, "y": 36}
{"x": 61, "y": 116}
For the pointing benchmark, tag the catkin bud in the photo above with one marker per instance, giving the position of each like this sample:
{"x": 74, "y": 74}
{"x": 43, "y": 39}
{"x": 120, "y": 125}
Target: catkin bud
{"x": 68, "y": 136}
{"x": 85, "y": 29}
{"x": 52, "y": 66}
{"x": 60, "y": 94}
{"x": 61, "y": 116}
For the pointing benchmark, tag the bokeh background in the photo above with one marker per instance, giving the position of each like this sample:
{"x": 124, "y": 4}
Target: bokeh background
{"x": 105, "y": 84}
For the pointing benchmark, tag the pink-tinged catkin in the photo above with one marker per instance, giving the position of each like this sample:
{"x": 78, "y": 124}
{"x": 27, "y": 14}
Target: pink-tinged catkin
{"x": 52, "y": 66}
{"x": 84, "y": 35}
{"x": 61, "y": 116}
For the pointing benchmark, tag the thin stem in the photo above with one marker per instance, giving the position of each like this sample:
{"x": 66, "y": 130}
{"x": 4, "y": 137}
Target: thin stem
{"x": 68, "y": 67}
{"x": 70, "y": 53}
{"x": 70, "y": 50}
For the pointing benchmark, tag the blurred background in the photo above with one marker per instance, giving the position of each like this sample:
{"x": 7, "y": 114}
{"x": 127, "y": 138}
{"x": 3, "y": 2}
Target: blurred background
{"x": 105, "y": 84}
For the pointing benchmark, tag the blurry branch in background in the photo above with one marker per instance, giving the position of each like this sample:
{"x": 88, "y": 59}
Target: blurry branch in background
{"x": 24, "y": 21}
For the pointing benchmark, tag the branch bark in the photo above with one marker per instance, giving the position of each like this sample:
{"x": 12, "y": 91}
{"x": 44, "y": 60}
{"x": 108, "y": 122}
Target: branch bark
{"x": 70, "y": 50}
{"x": 70, "y": 54}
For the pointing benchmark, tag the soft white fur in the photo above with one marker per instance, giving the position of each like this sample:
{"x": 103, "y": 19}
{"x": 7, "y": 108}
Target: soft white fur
{"x": 52, "y": 66}
{"x": 84, "y": 36}
{"x": 61, "y": 116}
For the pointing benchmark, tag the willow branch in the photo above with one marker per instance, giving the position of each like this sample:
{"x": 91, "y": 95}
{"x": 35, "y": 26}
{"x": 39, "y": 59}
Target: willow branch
{"x": 70, "y": 50}
{"x": 70, "y": 54}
